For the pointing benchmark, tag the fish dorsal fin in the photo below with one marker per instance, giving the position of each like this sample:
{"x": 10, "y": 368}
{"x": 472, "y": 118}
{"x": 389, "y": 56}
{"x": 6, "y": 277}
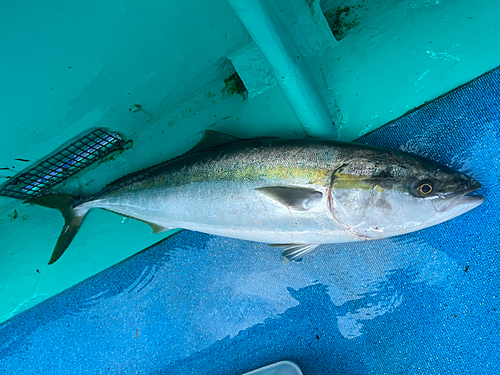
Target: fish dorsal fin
{"x": 212, "y": 139}
{"x": 295, "y": 198}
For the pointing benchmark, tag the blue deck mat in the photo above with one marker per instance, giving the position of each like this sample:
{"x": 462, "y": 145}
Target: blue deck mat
{"x": 423, "y": 303}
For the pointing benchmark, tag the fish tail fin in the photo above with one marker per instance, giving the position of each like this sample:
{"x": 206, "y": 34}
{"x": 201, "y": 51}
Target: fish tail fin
{"x": 73, "y": 218}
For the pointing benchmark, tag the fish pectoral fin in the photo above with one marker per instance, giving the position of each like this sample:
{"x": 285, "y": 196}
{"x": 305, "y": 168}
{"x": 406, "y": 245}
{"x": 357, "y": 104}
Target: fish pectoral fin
{"x": 294, "y": 251}
{"x": 295, "y": 198}
{"x": 158, "y": 228}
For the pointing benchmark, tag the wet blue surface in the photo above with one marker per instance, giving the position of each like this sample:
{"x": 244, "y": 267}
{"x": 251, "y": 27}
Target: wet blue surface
{"x": 423, "y": 303}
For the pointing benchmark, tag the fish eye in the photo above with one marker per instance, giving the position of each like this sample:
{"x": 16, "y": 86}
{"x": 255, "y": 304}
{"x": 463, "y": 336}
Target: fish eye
{"x": 422, "y": 189}
{"x": 425, "y": 188}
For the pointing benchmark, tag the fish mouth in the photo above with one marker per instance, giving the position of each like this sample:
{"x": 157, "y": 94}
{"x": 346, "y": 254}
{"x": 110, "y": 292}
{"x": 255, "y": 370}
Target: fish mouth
{"x": 460, "y": 202}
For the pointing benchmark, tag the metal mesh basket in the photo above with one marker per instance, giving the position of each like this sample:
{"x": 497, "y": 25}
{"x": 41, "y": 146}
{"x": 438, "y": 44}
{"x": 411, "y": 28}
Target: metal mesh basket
{"x": 62, "y": 164}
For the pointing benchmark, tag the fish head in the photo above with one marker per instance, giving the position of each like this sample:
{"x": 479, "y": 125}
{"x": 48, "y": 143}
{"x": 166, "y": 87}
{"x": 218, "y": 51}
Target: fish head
{"x": 386, "y": 193}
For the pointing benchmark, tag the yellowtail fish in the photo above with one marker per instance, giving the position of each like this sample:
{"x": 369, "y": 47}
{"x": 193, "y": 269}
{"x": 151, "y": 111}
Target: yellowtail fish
{"x": 294, "y": 194}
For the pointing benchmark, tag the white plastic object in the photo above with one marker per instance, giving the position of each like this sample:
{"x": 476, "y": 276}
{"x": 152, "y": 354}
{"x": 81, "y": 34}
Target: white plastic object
{"x": 279, "y": 368}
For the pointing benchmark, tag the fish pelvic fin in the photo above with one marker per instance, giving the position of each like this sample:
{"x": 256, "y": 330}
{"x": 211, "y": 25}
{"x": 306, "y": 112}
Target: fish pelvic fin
{"x": 73, "y": 218}
{"x": 293, "y": 252}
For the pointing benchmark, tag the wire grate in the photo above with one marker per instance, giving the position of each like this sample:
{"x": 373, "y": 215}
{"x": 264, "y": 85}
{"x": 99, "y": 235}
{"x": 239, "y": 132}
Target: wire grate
{"x": 62, "y": 164}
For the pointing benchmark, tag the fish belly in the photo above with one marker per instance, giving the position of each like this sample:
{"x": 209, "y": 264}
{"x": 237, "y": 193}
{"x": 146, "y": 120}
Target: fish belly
{"x": 230, "y": 209}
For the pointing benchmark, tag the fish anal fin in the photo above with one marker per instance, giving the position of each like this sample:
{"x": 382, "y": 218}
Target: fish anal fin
{"x": 293, "y": 197}
{"x": 158, "y": 228}
{"x": 294, "y": 252}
